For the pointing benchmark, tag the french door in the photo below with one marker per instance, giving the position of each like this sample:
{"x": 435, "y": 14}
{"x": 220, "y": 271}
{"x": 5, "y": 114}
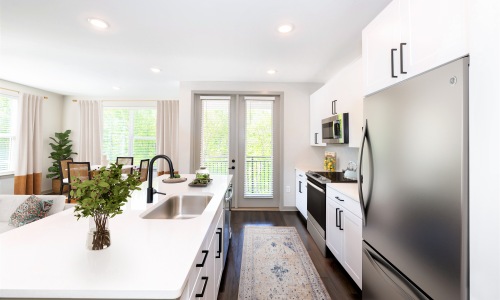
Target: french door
{"x": 238, "y": 134}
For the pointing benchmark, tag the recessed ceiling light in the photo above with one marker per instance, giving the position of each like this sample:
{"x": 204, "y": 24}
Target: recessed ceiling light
{"x": 285, "y": 28}
{"x": 116, "y": 88}
{"x": 155, "y": 70}
{"x": 271, "y": 72}
{"x": 98, "y": 23}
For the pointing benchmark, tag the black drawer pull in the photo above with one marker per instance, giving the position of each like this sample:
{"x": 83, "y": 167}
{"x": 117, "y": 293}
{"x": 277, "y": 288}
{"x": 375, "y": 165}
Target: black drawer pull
{"x": 204, "y": 287}
{"x": 204, "y": 259}
{"x": 337, "y": 197}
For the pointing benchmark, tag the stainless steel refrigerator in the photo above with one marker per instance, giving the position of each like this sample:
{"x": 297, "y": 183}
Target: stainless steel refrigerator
{"x": 414, "y": 193}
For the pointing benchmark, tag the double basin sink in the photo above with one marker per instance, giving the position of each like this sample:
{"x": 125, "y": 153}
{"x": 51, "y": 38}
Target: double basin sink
{"x": 178, "y": 207}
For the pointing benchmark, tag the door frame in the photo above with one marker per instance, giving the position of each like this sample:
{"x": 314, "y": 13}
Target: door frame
{"x": 278, "y": 157}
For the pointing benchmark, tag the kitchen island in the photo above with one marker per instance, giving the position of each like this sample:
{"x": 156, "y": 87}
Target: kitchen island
{"x": 147, "y": 259}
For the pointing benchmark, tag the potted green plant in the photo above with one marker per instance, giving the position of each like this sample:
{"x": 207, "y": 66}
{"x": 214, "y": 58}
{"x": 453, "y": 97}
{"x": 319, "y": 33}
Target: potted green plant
{"x": 62, "y": 148}
{"x": 102, "y": 198}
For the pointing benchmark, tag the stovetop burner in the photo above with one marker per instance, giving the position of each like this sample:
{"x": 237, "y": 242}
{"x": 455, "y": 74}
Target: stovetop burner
{"x": 328, "y": 177}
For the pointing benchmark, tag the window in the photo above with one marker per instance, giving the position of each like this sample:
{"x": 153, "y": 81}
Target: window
{"x": 129, "y": 132}
{"x": 8, "y": 113}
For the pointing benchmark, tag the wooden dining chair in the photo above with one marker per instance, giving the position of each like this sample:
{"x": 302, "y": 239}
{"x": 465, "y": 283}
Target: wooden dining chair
{"x": 125, "y": 160}
{"x": 80, "y": 170}
{"x": 63, "y": 173}
{"x": 143, "y": 169}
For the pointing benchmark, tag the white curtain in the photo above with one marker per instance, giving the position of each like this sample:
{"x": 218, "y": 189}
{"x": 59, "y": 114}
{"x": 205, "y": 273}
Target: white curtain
{"x": 90, "y": 131}
{"x": 167, "y": 133}
{"x": 28, "y": 171}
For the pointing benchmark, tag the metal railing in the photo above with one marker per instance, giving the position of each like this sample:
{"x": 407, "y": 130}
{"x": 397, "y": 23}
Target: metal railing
{"x": 258, "y": 173}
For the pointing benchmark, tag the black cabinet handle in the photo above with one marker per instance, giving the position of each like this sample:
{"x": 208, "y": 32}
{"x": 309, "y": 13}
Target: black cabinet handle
{"x": 316, "y": 138}
{"x": 204, "y": 259}
{"x": 392, "y": 63}
{"x": 401, "y": 57}
{"x": 337, "y": 197}
{"x": 219, "y": 232}
{"x": 340, "y": 220}
{"x": 334, "y": 107}
{"x": 204, "y": 287}
{"x": 300, "y": 187}
{"x": 337, "y": 217}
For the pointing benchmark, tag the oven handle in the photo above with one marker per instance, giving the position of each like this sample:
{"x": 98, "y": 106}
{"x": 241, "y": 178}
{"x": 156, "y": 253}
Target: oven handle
{"x": 309, "y": 183}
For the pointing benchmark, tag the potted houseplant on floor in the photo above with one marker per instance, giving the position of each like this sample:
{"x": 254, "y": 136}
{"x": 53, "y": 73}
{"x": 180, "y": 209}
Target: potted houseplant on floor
{"x": 102, "y": 198}
{"x": 62, "y": 148}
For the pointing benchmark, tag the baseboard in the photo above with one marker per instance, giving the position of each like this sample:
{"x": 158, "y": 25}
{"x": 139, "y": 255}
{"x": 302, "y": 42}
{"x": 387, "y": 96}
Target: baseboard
{"x": 255, "y": 209}
{"x": 288, "y": 208}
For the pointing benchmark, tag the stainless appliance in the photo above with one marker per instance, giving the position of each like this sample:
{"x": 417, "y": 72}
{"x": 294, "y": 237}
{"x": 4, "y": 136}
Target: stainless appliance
{"x": 316, "y": 204}
{"x": 228, "y": 197}
{"x": 413, "y": 187}
{"x": 335, "y": 129}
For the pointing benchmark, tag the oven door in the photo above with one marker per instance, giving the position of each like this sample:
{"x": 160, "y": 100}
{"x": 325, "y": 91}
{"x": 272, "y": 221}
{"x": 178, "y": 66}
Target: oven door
{"x": 316, "y": 202}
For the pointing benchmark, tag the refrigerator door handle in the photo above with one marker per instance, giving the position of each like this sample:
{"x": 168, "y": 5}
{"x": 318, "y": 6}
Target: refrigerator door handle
{"x": 384, "y": 269}
{"x": 362, "y": 201}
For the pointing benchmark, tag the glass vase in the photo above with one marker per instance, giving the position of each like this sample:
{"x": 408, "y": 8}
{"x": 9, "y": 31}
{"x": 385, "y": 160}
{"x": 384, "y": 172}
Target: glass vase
{"x": 98, "y": 237}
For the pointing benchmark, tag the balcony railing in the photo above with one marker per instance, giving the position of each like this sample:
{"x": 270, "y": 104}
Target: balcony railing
{"x": 258, "y": 174}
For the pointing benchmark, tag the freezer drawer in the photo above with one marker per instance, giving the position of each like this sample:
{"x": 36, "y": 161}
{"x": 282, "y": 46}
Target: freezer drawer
{"x": 381, "y": 281}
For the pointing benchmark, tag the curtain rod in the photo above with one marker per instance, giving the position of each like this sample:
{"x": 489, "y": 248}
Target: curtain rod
{"x": 74, "y": 100}
{"x": 1, "y": 88}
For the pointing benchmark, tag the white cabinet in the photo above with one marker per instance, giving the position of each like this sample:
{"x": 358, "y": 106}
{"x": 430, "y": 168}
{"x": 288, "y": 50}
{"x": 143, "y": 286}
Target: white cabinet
{"x": 410, "y": 37}
{"x": 316, "y": 114}
{"x": 344, "y": 232}
{"x": 301, "y": 192}
{"x": 347, "y": 88}
{"x": 206, "y": 272}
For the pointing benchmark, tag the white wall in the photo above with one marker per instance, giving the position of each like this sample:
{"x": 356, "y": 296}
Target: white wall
{"x": 484, "y": 147}
{"x": 295, "y": 122}
{"x": 52, "y": 110}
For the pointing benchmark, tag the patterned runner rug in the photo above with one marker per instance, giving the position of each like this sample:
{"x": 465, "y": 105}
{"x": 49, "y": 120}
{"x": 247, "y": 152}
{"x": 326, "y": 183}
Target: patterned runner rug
{"x": 276, "y": 265}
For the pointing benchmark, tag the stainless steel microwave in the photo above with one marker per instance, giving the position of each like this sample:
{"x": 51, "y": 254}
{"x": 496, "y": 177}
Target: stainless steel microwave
{"x": 335, "y": 129}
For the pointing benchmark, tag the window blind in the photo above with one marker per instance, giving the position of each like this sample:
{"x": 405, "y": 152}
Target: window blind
{"x": 259, "y": 149}
{"x": 214, "y": 144}
{"x": 8, "y": 113}
{"x": 129, "y": 131}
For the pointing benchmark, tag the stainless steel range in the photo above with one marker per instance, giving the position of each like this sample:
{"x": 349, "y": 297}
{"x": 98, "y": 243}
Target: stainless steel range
{"x": 316, "y": 204}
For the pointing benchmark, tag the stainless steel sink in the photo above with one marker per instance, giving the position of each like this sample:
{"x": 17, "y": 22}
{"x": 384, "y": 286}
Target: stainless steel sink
{"x": 179, "y": 207}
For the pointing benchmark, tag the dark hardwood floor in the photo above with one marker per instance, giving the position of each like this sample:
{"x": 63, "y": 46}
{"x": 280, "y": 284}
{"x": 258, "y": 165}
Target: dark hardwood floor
{"x": 338, "y": 283}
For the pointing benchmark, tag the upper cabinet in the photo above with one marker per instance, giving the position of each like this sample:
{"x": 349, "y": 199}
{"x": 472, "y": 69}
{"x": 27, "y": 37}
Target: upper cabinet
{"x": 347, "y": 88}
{"x": 410, "y": 37}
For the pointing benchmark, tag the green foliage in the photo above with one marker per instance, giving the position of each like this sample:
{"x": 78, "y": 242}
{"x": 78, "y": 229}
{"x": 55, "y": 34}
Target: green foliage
{"x": 105, "y": 193}
{"x": 62, "y": 148}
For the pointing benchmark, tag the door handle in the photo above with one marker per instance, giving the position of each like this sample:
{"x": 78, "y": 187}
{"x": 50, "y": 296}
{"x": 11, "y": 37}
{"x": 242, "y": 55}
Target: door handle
{"x": 364, "y": 140}
{"x": 340, "y": 220}
{"x": 219, "y": 232}
{"x": 401, "y": 57}
{"x": 232, "y": 168}
{"x": 392, "y": 63}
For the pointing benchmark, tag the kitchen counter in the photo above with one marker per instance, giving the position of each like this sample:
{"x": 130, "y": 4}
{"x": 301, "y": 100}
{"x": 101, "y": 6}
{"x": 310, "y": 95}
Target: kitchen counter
{"x": 147, "y": 259}
{"x": 348, "y": 189}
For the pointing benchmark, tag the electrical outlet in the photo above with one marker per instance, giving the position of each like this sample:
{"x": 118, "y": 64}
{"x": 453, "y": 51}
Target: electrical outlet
{"x": 287, "y": 189}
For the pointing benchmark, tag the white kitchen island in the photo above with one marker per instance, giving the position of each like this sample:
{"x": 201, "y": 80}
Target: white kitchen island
{"x": 147, "y": 259}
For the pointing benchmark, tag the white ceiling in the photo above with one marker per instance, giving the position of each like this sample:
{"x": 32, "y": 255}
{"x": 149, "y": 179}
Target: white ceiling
{"x": 50, "y": 45}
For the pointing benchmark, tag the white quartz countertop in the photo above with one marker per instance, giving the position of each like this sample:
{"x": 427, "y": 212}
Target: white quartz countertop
{"x": 348, "y": 189}
{"x": 147, "y": 259}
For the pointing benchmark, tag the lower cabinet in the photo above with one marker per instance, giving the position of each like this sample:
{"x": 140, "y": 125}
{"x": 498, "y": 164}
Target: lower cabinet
{"x": 301, "y": 192}
{"x": 344, "y": 232}
{"x": 206, "y": 272}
